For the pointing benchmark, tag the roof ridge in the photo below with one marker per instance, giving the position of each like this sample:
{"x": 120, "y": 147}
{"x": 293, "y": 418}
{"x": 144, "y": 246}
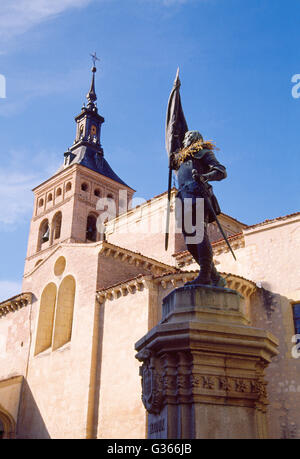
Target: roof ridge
{"x": 265, "y": 222}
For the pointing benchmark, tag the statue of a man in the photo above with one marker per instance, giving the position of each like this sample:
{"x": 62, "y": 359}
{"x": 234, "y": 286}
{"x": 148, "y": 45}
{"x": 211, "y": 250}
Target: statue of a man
{"x": 194, "y": 161}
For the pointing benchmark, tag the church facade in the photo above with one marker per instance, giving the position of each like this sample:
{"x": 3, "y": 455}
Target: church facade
{"x": 95, "y": 275}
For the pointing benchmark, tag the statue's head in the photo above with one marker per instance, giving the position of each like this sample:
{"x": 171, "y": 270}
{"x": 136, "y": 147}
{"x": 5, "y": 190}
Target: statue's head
{"x": 190, "y": 137}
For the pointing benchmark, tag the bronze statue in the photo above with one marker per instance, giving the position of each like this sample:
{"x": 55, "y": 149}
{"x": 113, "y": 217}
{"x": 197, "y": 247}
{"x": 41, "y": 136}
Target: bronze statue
{"x": 196, "y": 165}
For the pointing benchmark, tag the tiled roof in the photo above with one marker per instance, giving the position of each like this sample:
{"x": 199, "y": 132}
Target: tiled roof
{"x": 266, "y": 222}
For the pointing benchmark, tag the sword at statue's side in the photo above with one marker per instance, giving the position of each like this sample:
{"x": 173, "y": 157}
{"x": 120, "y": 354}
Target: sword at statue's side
{"x": 199, "y": 179}
{"x": 176, "y": 127}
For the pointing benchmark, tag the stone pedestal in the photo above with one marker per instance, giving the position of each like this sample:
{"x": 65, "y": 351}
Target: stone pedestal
{"x": 203, "y": 368}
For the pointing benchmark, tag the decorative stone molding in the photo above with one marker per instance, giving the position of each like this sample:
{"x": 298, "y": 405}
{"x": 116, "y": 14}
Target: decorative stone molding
{"x": 244, "y": 286}
{"x": 237, "y": 242}
{"x": 170, "y": 280}
{"x": 15, "y": 303}
{"x": 119, "y": 253}
{"x": 165, "y": 381}
{"x": 128, "y": 287}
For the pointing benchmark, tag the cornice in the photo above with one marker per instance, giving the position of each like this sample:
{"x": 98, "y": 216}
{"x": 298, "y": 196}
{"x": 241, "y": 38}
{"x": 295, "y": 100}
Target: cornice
{"x": 125, "y": 288}
{"x": 170, "y": 280}
{"x": 134, "y": 258}
{"x": 15, "y": 303}
{"x": 237, "y": 241}
{"x": 244, "y": 286}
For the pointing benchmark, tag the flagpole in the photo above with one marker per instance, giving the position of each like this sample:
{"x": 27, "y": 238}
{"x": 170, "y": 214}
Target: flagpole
{"x": 168, "y": 204}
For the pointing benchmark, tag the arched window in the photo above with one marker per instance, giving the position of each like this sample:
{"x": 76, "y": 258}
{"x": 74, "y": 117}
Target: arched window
{"x": 46, "y": 318}
{"x": 97, "y": 192}
{"x": 7, "y": 425}
{"x": 84, "y": 186}
{"x": 55, "y": 315}
{"x": 44, "y": 234}
{"x": 64, "y": 313}
{"x": 41, "y": 202}
{"x": 49, "y": 198}
{"x": 58, "y": 192}
{"x": 68, "y": 186}
{"x": 91, "y": 228}
{"x": 56, "y": 225}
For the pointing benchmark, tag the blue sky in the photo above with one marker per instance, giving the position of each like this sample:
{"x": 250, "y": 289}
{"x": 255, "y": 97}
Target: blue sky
{"x": 236, "y": 59}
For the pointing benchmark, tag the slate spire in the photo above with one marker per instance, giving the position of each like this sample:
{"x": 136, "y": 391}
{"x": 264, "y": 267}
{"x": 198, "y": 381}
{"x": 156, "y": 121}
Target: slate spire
{"x": 91, "y": 95}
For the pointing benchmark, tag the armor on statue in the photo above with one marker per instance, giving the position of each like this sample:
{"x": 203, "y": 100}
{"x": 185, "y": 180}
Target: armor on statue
{"x": 195, "y": 165}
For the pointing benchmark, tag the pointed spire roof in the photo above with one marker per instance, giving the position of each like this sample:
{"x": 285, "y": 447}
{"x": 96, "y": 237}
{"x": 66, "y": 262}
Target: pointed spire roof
{"x": 91, "y": 95}
{"x": 177, "y": 79}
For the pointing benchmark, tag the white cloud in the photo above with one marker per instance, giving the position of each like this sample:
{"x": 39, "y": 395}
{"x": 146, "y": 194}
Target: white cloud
{"x": 21, "y": 89}
{"x": 16, "y": 197}
{"x": 9, "y": 289}
{"x": 17, "y": 16}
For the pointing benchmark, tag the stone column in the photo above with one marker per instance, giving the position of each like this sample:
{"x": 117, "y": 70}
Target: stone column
{"x": 203, "y": 368}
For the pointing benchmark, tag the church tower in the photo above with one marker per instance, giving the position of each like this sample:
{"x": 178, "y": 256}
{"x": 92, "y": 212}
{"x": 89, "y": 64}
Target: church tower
{"x": 66, "y": 206}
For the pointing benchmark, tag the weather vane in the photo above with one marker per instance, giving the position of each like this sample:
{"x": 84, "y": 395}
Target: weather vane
{"x": 95, "y": 58}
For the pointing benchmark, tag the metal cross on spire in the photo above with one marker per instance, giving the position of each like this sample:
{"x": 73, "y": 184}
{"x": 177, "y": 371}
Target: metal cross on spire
{"x": 95, "y": 58}
{"x": 91, "y": 96}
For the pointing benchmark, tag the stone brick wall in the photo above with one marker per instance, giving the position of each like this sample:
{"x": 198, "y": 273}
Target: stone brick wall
{"x": 121, "y": 412}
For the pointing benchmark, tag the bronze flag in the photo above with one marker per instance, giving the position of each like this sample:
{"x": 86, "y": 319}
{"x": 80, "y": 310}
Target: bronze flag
{"x": 176, "y": 127}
